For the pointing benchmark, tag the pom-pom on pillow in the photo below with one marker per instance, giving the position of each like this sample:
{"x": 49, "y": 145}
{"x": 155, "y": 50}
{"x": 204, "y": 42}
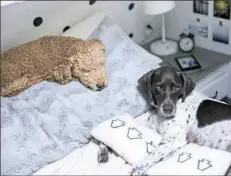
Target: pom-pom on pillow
{"x": 129, "y": 139}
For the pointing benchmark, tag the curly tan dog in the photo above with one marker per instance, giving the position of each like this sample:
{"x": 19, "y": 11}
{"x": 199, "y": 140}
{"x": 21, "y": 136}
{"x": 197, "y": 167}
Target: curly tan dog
{"x": 58, "y": 58}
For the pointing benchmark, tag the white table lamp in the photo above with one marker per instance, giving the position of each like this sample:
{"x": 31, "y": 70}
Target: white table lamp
{"x": 164, "y": 46}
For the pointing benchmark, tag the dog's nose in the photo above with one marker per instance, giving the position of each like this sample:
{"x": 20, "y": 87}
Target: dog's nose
{"x": 168, "y": 108}
{"x": 100, "y": 86}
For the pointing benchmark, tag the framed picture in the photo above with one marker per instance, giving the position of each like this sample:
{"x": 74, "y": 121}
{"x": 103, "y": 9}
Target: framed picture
{"x": 221, "y": 33}
{"x": 222, "y": 9}
{"x": 198, "y": 28}
{"x": 187, "y": 63}
{"x": 201, "y": 7}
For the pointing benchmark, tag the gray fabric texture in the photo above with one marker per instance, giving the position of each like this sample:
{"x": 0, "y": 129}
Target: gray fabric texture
{"x": 47, "y": 121}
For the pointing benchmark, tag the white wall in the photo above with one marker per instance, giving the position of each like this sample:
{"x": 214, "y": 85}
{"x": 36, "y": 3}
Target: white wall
{"x": 17, "y": 19}
{"x": 177, "y": 21}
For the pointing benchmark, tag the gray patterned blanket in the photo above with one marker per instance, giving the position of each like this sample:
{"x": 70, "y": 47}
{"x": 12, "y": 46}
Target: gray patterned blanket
{"x": 47, "y": 121}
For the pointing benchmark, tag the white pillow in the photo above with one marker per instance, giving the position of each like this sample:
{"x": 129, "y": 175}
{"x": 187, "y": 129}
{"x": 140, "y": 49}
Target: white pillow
{"x": 112, "y": 35}
{"x": 194, "y": 160}
{"x": 129, "y": 139}
{"x": 85, "y": 28}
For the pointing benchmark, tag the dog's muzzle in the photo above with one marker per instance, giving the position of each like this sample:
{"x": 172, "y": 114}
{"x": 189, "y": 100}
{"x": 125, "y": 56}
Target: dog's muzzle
{"x": 167, "y": 110}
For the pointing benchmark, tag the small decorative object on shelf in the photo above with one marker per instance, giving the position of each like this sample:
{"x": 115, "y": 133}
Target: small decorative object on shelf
{"x": 187, "y": 63}
{"x": 186, "y": 42}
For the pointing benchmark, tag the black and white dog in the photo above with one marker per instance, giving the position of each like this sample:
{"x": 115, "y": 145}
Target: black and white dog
{"x": 200, "y": 120}
{"x": 203, "y": 121}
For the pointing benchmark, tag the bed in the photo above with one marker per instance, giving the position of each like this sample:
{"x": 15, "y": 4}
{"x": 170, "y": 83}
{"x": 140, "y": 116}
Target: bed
{"x": 48, "y": 125}
{"x": 47, "y": 121}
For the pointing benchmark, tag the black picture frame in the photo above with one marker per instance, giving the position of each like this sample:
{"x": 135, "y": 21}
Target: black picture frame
{"x": 201, "y": 7}
{"x": 187, "y": 58}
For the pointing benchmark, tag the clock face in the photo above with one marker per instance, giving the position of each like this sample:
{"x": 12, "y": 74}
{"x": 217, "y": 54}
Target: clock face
{"x": 186, "y": 44}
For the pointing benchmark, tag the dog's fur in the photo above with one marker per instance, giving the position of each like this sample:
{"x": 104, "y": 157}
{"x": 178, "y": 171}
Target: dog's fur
{"x": 57, "y": 58}
{"x": 165, "y": 86}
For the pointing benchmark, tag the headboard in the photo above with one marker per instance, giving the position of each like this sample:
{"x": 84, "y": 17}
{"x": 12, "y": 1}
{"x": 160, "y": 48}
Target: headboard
{"x": 28, "y": 20}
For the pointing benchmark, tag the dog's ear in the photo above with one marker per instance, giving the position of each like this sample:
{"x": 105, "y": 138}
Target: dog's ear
{"x": 188, "y": 86}
{"x": 145, "y": 83}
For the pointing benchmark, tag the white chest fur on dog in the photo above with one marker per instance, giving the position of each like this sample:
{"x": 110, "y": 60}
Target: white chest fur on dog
{"x": 185, "y": 116}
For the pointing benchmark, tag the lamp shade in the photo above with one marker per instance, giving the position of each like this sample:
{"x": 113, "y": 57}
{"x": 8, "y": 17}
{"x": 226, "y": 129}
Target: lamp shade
{"x": 158, "y": 7}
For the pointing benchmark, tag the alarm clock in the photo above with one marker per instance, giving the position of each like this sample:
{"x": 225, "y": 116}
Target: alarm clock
{"x": 186, "y": 42}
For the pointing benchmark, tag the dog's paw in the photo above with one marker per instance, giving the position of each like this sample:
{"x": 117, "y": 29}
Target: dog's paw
{"x": 103, "y": 155}
{"x": 137, "y": 171}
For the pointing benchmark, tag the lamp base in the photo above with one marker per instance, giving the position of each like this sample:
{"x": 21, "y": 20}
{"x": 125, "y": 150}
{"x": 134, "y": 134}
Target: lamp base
{"x": 164, "y": 48}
